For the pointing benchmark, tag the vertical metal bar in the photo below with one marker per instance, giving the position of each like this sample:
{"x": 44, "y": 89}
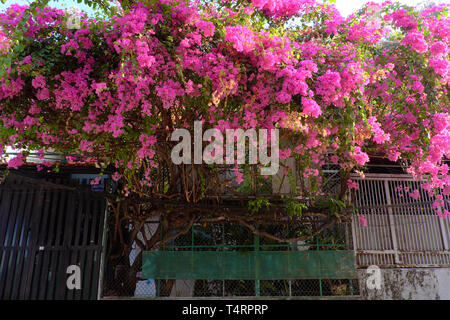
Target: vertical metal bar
{"x": 32, "y": 245}
{"x": 104, "y": 233}
{"x": 66, "y": 244}
{"x": 191, "y": 288}
{"x": 427, "y": 242}
{"x": 395, "y": 186}
{"x": 83, "y": 251}
{"x": 407, "y": 227}
{"x": 391, "y": 221}
{"x": 364, "y": 240}
{"x": 408, "y": 212}
{"x": 15, "y": 224}
{"x": 354, "y": 222}
{"x": 380, "y": 226}
{"x": 56, "y": 267}
{"x": 289, "y": 249}
{"x": 434, "y": 222}
{"x": 352, "y": 289}
{"x": 192, "y": 238}
{"x": 320, "y": 279}
{"x": 5, "y": 213}
{"x": 372, "y": 216}
{"x": 417, "y": 228}
{"x": 99, "y": 248}
{"x": 40, "y": 244}
{"x": 89, "y": 287}
{"x": 256, "y": 248}
{"x": 74, "y": 241}
{"x": 381, "y": 242}
{"x": 414, "y": 229}
{"x": 423, "y": 242}
{"x": 443, "y": 233}
{"x": 49, "y": 253}
{"x": 223, "y": 249}
{"x": 4, "y": 241}
{"x": 25, "y": 246}
{"x": 158, "y": 294}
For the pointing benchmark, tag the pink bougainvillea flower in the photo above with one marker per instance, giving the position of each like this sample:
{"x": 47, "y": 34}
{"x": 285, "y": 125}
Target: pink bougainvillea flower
{"x": 362, "y": 220}
{"x": 311, "y": 108}
{"x": 416, "y": 41}
{"x": 352, "y": 184}
{"x": 438, "y": 49}
{"x": 415, "y": 194}
{"x": 38, "y": 82}
{"x": 16, "y": 162}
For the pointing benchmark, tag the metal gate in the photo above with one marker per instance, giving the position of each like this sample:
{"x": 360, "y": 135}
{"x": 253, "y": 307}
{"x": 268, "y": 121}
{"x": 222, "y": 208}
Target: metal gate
{"x": 44, "y": 228}
{"x": 227, "y": 260}
{"x": 401, "y": 231}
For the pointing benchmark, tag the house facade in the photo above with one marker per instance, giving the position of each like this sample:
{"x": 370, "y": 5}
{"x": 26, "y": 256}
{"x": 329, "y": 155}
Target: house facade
{"x": 50, "y": 221}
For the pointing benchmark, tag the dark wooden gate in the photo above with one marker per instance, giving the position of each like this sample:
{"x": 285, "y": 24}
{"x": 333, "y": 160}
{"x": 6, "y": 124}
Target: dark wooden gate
{"x": 44, "y": 228}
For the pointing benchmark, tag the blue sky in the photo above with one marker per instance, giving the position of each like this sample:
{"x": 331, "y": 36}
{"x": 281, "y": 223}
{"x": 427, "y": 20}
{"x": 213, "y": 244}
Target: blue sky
{"x": 58, "y": 4}
{"x": 346, "y": 7}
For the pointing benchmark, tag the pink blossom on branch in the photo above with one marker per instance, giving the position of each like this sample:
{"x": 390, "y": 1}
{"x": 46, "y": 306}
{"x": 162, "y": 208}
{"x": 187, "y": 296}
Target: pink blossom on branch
{"x": 121, "y": 85}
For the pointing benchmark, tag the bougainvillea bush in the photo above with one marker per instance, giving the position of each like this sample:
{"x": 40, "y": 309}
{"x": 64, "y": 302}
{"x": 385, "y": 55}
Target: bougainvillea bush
{"x": 338, "y": 89}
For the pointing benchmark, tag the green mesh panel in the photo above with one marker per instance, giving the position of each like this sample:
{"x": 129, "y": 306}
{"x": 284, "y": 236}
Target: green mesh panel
{"x": 250, "y": 265}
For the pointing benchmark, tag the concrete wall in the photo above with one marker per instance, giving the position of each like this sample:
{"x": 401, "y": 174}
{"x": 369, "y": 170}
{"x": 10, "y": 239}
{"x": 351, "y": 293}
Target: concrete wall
{"x": 407, "y": 283}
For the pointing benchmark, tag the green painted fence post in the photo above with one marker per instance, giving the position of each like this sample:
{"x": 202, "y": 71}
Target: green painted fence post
{"x": 320, "y": 279}
{"x": 223, "y": 249}
{"x": 257, "y": 282}
{"x": 159, "y": 280}
{"x": 289, "y": 249}
{"x": 191, "y": 287}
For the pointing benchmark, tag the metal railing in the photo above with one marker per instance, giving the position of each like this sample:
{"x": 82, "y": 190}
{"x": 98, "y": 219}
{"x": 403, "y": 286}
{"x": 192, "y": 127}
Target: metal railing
{"x": 232, "y": 237}
{"x": 400, "y": 231}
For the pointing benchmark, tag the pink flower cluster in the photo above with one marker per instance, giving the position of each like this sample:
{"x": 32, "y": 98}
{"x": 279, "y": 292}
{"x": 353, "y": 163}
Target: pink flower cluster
{"x": 121, "y": 83}
{"x": 379, "y": 136}
{"x": 311, "y": 108}
{"x": 360, "y": 157}
{"x": 278, "y": 9}
{"x": 416, "y": 41}
{"x": 438, "y": 49}
{"x": 241, "y": 37}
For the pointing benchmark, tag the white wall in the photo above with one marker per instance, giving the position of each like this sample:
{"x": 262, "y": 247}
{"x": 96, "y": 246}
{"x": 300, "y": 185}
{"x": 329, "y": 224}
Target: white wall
{"x": 408, "y": 284}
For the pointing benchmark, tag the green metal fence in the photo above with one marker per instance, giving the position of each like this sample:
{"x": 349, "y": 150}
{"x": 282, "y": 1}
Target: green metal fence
{"x": 227, "y": 260}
